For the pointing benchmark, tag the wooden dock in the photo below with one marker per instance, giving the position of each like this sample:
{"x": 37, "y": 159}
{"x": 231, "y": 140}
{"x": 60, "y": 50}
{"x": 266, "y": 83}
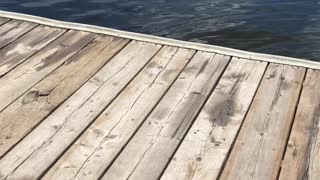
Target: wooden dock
{"x": 86, "y": 102}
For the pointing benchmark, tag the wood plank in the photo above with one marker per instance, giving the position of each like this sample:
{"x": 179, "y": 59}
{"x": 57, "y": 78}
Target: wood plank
{"x": 46, "y": 143}
{"x": 25, "y": 113}
{"x": 3, "y": 20}
{"x": 259, "y": 148}
{"x": 205, "y": 147}
{"x": 22, "y": 78}
{"x": 24, "y": 47}
{"x": 14, "y": 29}
{"x": 95, "y": 150}
{"x": 302, "y": 158}
{"x": 148, "y": 152}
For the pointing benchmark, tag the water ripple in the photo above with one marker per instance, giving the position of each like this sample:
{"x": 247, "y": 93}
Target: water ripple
{"x": 287, "y": 27}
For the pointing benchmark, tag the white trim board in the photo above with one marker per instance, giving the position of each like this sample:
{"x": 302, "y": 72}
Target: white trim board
{"x": 164, "y": 41}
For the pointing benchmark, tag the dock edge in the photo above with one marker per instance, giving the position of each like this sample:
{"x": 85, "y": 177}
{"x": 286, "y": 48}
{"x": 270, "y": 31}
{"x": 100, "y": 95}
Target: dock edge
{"x": 163, "y": 41}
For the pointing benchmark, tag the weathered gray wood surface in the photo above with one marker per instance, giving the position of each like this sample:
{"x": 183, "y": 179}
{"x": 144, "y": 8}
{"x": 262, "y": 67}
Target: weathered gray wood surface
{"x": 205, "y": 148}
{"x": 24, "y": 114}
{"x": 105, "y": 138}
{"x": 161, "y": 133}
{"x": 81, "y": 105}
{"x": 3, "y": 20}
{"x": 29, "y": 44}
{"x": 258, "y": 150}
{"x": 44, "y": 145}
{"x": 22, "y": 78}
{"x": 12, "y": 30}
{"x": 302, "y": 157}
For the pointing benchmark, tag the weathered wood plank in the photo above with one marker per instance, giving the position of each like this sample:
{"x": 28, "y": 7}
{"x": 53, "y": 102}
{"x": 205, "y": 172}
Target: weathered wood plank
{"x": 205, "y": 147}
{"x": 148, "y": 152}
{"x": 25, "y": 113}
{"x": 3, "y": 20}
{"x": 22, "y": 78}
{"x": 14, "y": 29}
{"x": 99, "y": 145}
{"x": 259, "y": 148}
{"x": 302, "y": 158}
{"x": 24, "y": 47}
{"x": 41, "y": 148}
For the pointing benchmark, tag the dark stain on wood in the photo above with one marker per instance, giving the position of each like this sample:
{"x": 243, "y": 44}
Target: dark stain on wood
{"x": 281, "y": 87}
{"x": 272, "y": 75}
{"x": 65, "y": 46}
{"x": 30, "y": 97}
{"x": 160, "y": 113}
{"x": 98, "y": 132}
{"x": 212, "y": 139}
{"x": 198, "y": 159}
{"x": 168, "y": 74}
{"x": 190, "y": 110}
{"x": 194, "y": 102}
{"x": 219, "y": 114}
{"x": 45, "y": 92}
{"x": 20, "y": 49}
{"x": 112, "y": 136}
{"x": 55, "y": 127}
{"x": 152, "y": 64}
{"x": 203, "y": 67}
{"x": 195, "y": 69}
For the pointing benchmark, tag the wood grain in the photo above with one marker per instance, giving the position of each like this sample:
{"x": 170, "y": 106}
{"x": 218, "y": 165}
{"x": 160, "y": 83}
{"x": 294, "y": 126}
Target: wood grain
{"x": 259, "y": 148}
{"x": 22, "y": 78}
{"x": 99, "y": 145}
{"x": 205, "y": 147}
{"x": 24, "y": 114}
{"x": 3, "y": 20}
{"x": 160, "y": 135}
{"x": 302, "y": 158}
{"x": 14, "y": 29}
{"x": 46, "y": 143}
{"x": 81, "y": 105}
{"x": 29, "y": 44}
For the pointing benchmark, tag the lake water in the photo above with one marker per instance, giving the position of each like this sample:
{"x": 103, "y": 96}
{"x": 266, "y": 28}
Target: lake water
{"x": 282, "y": 27}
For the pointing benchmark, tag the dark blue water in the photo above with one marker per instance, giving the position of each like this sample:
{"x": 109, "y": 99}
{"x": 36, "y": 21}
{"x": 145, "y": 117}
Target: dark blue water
{"x": 282, "y": 27}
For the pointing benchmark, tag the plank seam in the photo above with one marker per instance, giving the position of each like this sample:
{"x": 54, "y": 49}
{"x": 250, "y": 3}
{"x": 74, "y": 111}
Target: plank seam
{"x": 292, "y": 121}
{"x": 62, "y": 101}
{"x": 152, "y": 109}
{"x": 196, "y": 116}
{"x": 95, "y": 118}
{"x": 23, "y": 63}
{"x": 165, "y": 41}
{"x": 18, "y": 37}
{"x": 238, "y": 132}
{"x": 4, "y": 154}
{"x": 34, "y": 53}
{"x": 6, "y": 21}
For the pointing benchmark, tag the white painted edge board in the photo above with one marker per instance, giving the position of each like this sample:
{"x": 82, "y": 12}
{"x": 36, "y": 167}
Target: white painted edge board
{"x": 164, "y": 41}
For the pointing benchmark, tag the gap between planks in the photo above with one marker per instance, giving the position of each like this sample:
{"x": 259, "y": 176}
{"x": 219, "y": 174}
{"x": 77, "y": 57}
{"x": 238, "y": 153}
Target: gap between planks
{"x": 23, "y": 77}
{"x": 37, "y": 103}
{"x": 258, "y": 150}
{"x": 119, "y": 121}
{"x": 75, "y": 114}
{"x": 171, "y": 118}
{"x": 301, "y": 158}
{"x": 14, "y": 29}
{"x": 205, "y": 148}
